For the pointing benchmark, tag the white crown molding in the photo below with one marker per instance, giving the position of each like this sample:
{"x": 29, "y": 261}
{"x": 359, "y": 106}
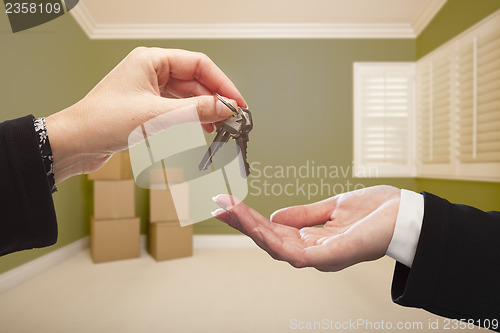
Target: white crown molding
{"x": 425, "y": 16}
{"x": 84, "y": 19}
{"x": 96, "y": 30}
{"x": 249, "y": 31}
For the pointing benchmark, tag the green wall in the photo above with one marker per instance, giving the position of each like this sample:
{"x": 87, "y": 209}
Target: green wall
{"x": 485, "y": 196}
{"x": 455, "y": 17}
{"x": 43, "y": 71}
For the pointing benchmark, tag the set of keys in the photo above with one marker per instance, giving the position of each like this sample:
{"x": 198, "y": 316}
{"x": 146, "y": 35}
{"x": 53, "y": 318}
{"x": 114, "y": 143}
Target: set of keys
{"x": 235, "y": 127}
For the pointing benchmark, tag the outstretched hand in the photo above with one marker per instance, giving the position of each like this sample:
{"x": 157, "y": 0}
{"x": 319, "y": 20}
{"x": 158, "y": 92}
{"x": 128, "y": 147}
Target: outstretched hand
{"x": 353, "y": 227}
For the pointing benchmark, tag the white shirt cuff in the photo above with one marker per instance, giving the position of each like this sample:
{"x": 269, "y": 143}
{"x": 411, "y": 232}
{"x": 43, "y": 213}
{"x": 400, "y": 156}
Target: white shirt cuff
{"x": 407, "y": 229}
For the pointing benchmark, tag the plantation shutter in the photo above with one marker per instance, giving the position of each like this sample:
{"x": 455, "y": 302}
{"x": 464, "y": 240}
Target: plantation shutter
{"x": 384, "y": 119}
{"x": 457, "y": 104}
{"x": 479, "y": 101}
{"x": 435, "y": 113}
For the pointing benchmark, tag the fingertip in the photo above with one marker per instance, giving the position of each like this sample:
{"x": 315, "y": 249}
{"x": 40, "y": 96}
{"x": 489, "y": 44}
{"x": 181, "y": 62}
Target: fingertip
{"x": 226, "y": 201}
{"x": 211, "y": 110}
{"x": 217, "y": 212}
{"x": 222, "y": 110}
{"x": 277, "y": 215}
{"x": 273, "y": 215}
{"x": 222, "y": 201}
{"x": 242, "y": 103}
{"x": 223, "y": 216}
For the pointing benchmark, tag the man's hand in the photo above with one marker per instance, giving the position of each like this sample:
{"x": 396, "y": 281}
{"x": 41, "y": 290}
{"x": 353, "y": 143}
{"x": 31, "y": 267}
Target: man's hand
{"x": 354, "y": 227}
{"x": 149, "y": 82}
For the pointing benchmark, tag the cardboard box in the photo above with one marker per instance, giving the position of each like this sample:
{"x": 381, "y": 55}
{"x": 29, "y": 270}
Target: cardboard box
{"x": 173, "y": 175}
{"x": 162, "y": 207}
{"x": 118, "y": 167}
{"x": 114, "y": 199}
{"x": 168, "y": 240}
{"x": 114, "y": 239}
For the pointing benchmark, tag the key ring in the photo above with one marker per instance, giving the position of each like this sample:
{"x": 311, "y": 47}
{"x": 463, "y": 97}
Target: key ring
{"x": 226, "y": 104}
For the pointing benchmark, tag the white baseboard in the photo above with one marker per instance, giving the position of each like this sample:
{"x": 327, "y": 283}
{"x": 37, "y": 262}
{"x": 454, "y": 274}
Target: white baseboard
{"x": 222, "y": 241}
{"x": 35, "y": 267}
{"x": 215, "y": 241}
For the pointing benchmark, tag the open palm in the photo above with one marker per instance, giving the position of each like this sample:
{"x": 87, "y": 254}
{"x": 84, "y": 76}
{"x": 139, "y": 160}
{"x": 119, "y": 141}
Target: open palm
{"x": 329, "y": 235}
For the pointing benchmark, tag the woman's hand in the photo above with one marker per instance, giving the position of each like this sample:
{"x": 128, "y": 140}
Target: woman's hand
{"x": 147, "y": 83}
{"x": 354, "y": 227}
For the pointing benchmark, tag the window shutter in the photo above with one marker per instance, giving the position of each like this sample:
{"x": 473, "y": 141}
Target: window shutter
{"x": 458, "y": 106}
{"x": 434, "y": 109}
{"x": 384, "y": 118}
{"x": 457, "y": 111}
{"x": 423, "y": 109}
{"x": 479, "y": 97}
{"x": 466, "y": 98}
{"x": 478, "y": 102}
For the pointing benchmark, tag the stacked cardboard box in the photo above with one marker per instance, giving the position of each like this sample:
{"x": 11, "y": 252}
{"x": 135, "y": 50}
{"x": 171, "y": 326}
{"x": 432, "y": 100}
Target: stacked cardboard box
{"x": 167, "y": 239}
{"x": 114, "y": 228}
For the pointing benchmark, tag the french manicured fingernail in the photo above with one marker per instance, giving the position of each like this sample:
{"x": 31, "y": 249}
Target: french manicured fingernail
{"x": 258, "y": 234}
{"x": 217, "y": 212}
{"x": 272, "y": 216}
{"x": 224, "y": 111}
{"x": 221, "y": 204}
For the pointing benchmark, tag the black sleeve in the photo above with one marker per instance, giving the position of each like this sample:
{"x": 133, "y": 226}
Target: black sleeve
{"x": 456, "y": 269}
{"x": 27, "y": 216}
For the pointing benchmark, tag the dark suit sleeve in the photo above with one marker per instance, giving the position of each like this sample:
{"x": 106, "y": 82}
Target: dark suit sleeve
{"x": 456, "y": 269}
{"x": 27, "y": 216}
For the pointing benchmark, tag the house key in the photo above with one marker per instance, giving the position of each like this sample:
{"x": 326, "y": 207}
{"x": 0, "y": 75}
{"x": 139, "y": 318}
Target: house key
{"x": 235, "y": 127}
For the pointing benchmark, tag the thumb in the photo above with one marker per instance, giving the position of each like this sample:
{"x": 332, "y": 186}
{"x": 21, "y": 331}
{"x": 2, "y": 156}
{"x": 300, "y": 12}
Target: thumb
{"x": 317, "y": 213}
{"x": 208, "y": 108}
{"x": 211, "y": 110}
{"x": 168, "y": 112}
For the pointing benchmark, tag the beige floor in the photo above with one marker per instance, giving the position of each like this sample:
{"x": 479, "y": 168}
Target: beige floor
{"x": 217, "y": 290}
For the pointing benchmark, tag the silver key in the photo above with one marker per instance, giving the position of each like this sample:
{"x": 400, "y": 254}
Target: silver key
{"x": 221, "y": 138}
{"x": 235, "y": 127}
{"x": 242, "y": 141}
